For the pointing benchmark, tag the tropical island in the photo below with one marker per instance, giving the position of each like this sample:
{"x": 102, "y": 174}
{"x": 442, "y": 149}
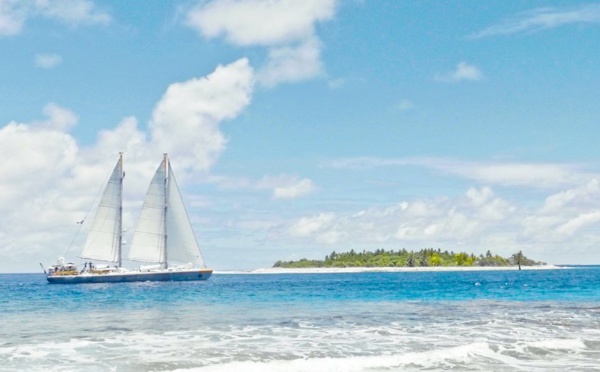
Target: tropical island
{"x": 427, "y": 257}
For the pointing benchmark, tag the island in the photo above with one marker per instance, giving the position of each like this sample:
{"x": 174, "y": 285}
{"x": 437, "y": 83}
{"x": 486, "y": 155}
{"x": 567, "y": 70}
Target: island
{"x": 427, "y": 257}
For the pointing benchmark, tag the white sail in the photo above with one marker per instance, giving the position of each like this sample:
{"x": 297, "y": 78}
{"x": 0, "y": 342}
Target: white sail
{"x": 164, "y": 232}
{"x": 104, "y": 239}
{"x": 149, "y": 239}
{"x": 163, "y": 235}
{"x": 181, "y": 241}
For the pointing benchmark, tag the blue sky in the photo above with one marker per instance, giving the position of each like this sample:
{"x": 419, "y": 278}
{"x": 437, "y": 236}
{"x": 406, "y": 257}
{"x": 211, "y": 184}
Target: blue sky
{"x": 299, "y": 127}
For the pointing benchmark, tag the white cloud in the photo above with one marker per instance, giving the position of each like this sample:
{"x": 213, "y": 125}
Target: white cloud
{"x": 295, "y": 190}
{"x": 565, "y": 213}
{"x": 14, "y": 13}
{"x": 579, "y": 222}
{"x": 48, "y": 181}
{"x": 73, "y": 12}
{"x": 533, "y": 175}
{"x": 447, "y": 221}
{"x": 307, "y": 226}
{"x": 586, "y": 194}
{"x": 287, "y": 187}
{"x": 512, "y": 174}
{"x": 462, "y": 72}
{"x": 260, "y": 22}
{"x": 292, "y": 63}
{"x": 12, "y": 17}
{"x": 34, "y": 158}
{"x": 47, "y": 61}
{"x": 185, "y": 121}
{"x": 474, "y": 222}
{"x": 59, "y": 118}
{"x": 542, "y": 19}
{"x": 479, "y": 196}
{"x": 286, "y": 27}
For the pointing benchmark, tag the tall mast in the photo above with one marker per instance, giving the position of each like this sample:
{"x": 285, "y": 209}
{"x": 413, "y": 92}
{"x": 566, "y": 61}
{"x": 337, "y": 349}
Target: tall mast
{"x": 165, "y": 164}
{"x": 120, "y": 226}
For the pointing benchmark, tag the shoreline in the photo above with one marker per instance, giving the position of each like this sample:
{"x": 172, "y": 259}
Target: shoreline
{"x": 334, "y": 270}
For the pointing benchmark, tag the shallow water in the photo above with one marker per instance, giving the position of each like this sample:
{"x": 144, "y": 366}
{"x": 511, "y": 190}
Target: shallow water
{"x": 470, "y": 321}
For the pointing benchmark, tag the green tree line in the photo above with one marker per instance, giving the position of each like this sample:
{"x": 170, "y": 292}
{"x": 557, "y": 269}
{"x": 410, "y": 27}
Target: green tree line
{"x": 403, "y": 258}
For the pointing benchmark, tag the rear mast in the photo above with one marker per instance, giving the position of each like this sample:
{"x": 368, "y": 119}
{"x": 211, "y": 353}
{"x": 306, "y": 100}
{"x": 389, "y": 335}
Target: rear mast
{"x": 120, "y": 227}
{"x": 166, "y": 201}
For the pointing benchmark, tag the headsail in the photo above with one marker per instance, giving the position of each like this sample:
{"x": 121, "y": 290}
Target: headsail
{"x": 104, "y": 239}
{"x": 164, "y": 229}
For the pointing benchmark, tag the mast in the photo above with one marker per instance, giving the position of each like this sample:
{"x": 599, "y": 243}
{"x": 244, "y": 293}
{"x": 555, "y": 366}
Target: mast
{"x": 165, "y": 163}
{"x": 120, "y": 225}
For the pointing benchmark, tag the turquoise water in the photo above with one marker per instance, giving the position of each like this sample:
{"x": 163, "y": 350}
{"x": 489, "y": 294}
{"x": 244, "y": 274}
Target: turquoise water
{"x": 483, "y": 320}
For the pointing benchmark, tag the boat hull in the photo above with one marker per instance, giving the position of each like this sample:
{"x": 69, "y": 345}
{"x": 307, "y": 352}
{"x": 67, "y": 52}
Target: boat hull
{"x": 152, "y": 276}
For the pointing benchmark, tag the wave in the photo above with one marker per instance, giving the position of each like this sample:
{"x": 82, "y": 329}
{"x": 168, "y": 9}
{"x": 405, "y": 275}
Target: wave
{"x": 418, "y": 339}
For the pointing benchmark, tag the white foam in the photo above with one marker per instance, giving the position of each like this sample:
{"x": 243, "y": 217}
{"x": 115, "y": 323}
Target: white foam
{"x": 307, "y": 347}
{"x": 445, "y": 358}
{"x": 559, "y": 344}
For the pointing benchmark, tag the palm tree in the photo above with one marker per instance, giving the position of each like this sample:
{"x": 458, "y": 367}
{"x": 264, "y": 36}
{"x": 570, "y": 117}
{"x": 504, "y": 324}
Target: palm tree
{"x": 519, "y": 257}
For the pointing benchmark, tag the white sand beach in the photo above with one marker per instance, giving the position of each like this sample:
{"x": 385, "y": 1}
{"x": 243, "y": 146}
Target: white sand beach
{"x": 329, "y": 270}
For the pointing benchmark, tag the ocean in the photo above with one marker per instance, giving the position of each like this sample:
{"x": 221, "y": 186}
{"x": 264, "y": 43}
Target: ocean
{"x": 539, "y": 320}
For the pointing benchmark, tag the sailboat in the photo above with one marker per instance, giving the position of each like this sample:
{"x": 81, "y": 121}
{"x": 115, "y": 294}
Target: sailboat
{"x": 163, "y": 237}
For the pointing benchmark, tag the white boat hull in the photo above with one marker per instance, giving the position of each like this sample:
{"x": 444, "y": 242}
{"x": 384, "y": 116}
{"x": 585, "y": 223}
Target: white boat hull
{"x": 133, "y": 276}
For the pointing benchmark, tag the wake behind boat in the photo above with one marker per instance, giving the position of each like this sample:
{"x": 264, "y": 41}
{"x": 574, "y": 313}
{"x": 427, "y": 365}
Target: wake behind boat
{"x": 163, "y": 237}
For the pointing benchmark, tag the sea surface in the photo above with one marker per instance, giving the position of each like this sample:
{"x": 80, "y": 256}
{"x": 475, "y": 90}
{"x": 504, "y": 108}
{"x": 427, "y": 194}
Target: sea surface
{"x": 543, "y": 320}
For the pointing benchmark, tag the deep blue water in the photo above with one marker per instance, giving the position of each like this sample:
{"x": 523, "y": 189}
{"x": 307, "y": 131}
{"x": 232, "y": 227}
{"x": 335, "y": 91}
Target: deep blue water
{"x": 31, "y": 291}
{"x": 492, "y": 320}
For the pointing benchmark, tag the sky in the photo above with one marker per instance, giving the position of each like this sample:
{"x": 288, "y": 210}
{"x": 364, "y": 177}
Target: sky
{"x": 301, "y": 127}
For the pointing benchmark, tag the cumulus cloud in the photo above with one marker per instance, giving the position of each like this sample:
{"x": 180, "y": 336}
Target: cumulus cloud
{"x": 573, "y": 225}
{"x": 59, "y": 118}
{"x": 186, "y": 120}
{"x": 444, "y": 221}
{"x": 47, "y": 176}
{"x": 287, "y": 187}
{"x": 475, "y": 221}
{"x": 14, "y": 13}
{"x": 274, "y": 22}
{"x": 462, "y": 72}
{"x": 568, "y": 219}
{"x": 320, "y": 228}
{"x": 543, "y": 19}
{"x": 47, "y": 61}
{"x": 34, "y": 157}
{"x": 285, "y": 27}
{"x": 565, "y": 213}
{"x": 576, "y": 197}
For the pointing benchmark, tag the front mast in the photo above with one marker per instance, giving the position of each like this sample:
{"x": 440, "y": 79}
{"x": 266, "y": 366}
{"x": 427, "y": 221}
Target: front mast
{"x": 166, "y": 185}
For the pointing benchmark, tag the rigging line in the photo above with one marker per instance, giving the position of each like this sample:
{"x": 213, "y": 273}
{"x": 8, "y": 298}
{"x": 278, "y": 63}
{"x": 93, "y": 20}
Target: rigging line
{"x": 80, "y": 223}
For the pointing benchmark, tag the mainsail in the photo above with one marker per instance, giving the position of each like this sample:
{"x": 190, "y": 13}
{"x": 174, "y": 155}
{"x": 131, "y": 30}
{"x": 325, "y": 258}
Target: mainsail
{"x": 181, "y": 241}
{"x": 104, "y": 240}
{"x": 164, "y": 231}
